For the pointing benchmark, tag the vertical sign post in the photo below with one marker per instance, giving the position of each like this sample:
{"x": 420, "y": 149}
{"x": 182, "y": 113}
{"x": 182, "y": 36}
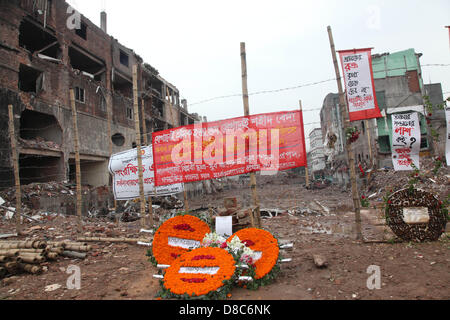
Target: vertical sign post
{"x": 350, "y": 154}
{"x": 16, "y": 169}
{"x": 247, "y": 113}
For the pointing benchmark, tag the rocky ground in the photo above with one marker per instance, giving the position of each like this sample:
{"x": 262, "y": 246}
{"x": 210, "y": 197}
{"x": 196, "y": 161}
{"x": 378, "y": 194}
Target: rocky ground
{"x": 316, "y": 221}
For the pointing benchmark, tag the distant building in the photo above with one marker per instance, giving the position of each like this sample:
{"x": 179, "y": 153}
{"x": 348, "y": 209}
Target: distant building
{"x": 317, "y": 154}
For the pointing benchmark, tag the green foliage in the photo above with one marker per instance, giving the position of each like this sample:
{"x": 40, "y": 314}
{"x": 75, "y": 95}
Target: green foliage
{"x": 364, "y": 202}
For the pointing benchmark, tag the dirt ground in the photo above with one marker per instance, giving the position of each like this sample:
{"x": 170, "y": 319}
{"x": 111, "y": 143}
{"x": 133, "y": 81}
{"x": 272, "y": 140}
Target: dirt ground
{"x": 122, "y": 271}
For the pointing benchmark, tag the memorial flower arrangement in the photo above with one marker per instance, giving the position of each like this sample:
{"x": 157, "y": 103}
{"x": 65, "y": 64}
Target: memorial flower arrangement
{"x": 267, "y": 260}
{"x": 204, "y": 273}
{"x": 213, "y": 267}
{"x": 177, "y": 236}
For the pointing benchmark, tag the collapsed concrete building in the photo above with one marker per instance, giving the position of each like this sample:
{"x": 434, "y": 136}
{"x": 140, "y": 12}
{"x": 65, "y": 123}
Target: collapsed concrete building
{"x": 42, "y": 57}
{"x": 399, "y": 88}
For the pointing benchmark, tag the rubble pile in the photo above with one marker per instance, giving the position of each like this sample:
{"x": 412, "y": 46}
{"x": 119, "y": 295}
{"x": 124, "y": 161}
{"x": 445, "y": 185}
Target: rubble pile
{"x": 39, "y": 143}
{"x": 386, "y": 179}
{"x": 241, "y": 217}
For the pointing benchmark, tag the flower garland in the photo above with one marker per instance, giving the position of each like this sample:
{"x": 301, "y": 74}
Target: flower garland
{"x": 263, "y": 244}
{"x": 206, "y": 272}
{"x": 352, "y": 134}
{"x": 186, "y": 229}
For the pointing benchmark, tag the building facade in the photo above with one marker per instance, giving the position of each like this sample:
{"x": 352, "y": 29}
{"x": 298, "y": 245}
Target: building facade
{"x": 46, "y": 49}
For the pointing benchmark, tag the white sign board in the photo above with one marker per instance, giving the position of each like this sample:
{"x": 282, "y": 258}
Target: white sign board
{"x": 124, "y": 168}
{"x": 224, "y": 226}
{"x": 447, "y": 144}
{"x": 405, "y": 141}
{"x": 416, "y": 215}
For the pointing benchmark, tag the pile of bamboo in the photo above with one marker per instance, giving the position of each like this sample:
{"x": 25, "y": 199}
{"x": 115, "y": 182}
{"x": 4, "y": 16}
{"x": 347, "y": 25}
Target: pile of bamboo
{"x": 27, "y": 256}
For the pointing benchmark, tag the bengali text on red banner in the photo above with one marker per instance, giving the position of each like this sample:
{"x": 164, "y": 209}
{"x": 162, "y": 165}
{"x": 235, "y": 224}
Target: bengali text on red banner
{"x": 204, "y": 151}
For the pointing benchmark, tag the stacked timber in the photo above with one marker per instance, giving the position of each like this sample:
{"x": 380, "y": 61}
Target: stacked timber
{"x": 27, "y": 256}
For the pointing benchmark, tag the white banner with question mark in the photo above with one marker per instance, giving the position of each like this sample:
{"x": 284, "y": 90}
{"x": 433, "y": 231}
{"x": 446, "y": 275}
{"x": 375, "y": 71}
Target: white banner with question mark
{"x": 406, "y": 141}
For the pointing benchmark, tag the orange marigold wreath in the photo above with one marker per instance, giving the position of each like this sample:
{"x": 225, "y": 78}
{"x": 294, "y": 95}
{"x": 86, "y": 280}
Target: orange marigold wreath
{"x": 184, "y": 227}
{"x": 260, "y": 241}
{"x": 199, "y": 284}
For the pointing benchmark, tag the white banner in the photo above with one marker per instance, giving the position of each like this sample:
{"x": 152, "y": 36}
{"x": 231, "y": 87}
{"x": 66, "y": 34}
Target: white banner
{"x": 406, "y": 141}
{"x": 124, "y": 168}
{"x": 447, "y": 144}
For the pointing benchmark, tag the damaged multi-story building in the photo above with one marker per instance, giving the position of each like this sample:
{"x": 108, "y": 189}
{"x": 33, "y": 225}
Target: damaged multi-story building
{"x": 41, "y": 58}
{"x": 399, "y": 88}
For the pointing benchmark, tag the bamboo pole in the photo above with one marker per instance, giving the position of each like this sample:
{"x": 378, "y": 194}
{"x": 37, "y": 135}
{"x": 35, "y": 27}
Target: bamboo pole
{"x": 30, "y": 258}
{"x": 77, "y": 158}
{"x": 306, "y": 167}
{"x": 109, "y": 108}
{"x": 138, "y": 144}
{"x": 33, "y": 269}
{"x": 73, "y": 254}
{"x": 350, "y": 154}
{"x": 15, "y": 162}
{"x": 247, "y": 113}
{"x": 30, "y": 244}
{"x": 369, "y": 140}
{"x": 78, "y": 248}
{"x": 9, "y": 253}
{"x": 185, "y": 196}
{"x": 112, "y": 240}
{"x": 144, "y": 129}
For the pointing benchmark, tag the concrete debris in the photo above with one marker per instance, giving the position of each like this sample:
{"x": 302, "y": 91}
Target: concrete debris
{"x": 386, "y": 179}
{"x": 52, "y": 287}
{"x": 39, "y": 143}
{"x": 320, "y": 261}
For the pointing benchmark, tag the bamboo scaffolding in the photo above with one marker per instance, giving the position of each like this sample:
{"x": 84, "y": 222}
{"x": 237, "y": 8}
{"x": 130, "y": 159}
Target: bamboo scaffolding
{"x": 77, "y": 159}
{"x": 15, "y": 162}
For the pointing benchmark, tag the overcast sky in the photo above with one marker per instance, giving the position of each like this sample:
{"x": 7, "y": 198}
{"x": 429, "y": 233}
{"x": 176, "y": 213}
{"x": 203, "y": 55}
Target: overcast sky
{"x": 195, "y": 45}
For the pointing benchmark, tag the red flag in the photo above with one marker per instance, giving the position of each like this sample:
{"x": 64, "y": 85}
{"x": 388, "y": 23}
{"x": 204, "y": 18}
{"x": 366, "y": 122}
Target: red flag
{"x": 360, "y": 86}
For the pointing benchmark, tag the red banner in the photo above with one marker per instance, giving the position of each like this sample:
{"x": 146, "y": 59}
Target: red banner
{"x": 204, "y": 151}
{"x": 359, "y": 84}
